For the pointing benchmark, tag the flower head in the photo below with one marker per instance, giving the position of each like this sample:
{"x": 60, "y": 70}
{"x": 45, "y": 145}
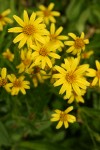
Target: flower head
{"x": 18, "y": 84}
{"x": 43, "y": 52}
{"x": 4, "y": 19}
{"x": 77, "y": 45}
{"x": 47, "y": 13}
{"x": 95, "y": 73}
{"x": 75, "y": 97}
{"x": 86, "y": 55}
{"x": 55, "y": 36}
{"x": 63, "y": 117}
{"x": 26, "y": 60}
{"x": 36, "y": 74}
{"x": 31, "y": 30}
{"x": 8, "y": 55}
{"x": 71, "y": 76}
{"x": 4, "y": 79}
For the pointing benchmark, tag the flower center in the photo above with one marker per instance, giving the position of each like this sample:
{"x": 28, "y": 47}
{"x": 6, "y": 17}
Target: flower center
{"x": 27, "y": 62}
{"x": 8, "y": 56}
{"x": 46, "y": 13}
{"x": 43, "y": 51}
{"x": 52, "y": 36}
{"x": 70, "y": 77}
{"x": 79, "y": 43}
{"x": 63, "y": 116}
{"x": 85, "y": 55}
{"x": 29, "y": 29}
{"x": 98, "y": 74}
{"x": 17, "y": 83}
{"x": 36, "y": 69}
{"x": 3, "y": 82}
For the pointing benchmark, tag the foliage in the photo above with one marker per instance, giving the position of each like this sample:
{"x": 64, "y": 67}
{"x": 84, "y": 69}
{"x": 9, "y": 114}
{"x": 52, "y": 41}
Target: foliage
{"x": 25, "y": 119}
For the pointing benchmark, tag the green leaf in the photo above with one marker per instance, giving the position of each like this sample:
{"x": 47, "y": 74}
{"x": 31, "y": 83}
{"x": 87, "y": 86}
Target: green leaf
{"x": 80, "y": 25}
{"x": 40, "y": 145}
{"x": 74, "y": 9}
{"x": 4, "y": 137}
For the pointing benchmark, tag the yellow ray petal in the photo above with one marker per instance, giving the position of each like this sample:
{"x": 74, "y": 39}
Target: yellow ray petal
{"x": 60, "y": 123}
{"x": 18, "y": 38}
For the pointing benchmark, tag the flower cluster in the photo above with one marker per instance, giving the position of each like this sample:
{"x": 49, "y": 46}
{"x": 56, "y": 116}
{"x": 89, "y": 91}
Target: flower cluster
{"x": 40, "y": 45}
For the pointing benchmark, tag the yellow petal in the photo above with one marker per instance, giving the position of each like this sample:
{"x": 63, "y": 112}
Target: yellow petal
{"x": 63, "y": 89}
{"x": 81, "y": 69}
{"x": 69, "y": 109}
{"x": 3, "y": 73}
{"x": 22, "y": 42}
{"x": 54, "y": 119}
{"x": 55, "y": 13}
{"x": 15, "y": 29}
{"x": 59, "y": 30}
{"x": 23, "y": 91}
{"x": 86, "y": 41}
{"x": 58, "y": 82}
{"x": 6, "y": 12}
{"x": 94, "y": 82}
{"x": 19, "y": 21}
{"x": 54, "y": 55}
{"x": 91, "y": 72}
{"x": 32, "y": 18}
{"x": 71, "y": 99}
{"x": 70, "y": 49}
{"x": 76, "y": 89}
{"x": 52, "y": 19}
{"x": 48, "y": 62}
{"x": 66, "y": 124}
{"x": 97, "y": 64}
{"x": 18, "y": 38}
{"x": 72, "y": 35}
{"x": 71, "y": 118}
{"x": 41, "y": 7}
{"x": 82, "y": 35}
{"x": 69, "y": 90}
{"x": 57, "y": 111}
{"x": 69, "y": 43}
{"x": 61, "y": 70}
{"x": 51, "y": 6}
{"x": 60, "y": 123}
{"x": 25, "y": 16}
{"x": 52, "y": 28}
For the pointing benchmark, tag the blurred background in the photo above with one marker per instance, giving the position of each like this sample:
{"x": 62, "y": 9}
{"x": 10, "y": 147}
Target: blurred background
{"x": 25, "y": 120}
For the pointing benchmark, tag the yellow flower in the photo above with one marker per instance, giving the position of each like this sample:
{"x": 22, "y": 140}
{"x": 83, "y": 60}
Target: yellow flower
{"x": 95, "y": 73}
{"x": 26, "y": 60}
{"x": 86, "y": 55}
{"x": 71, "y": 77}
{"x": 31, "y": 29}
{"x": 4, "y": 79}
{"x": 77, "y": 45}
{"x": 36, "y": 74}
{"x": 77, "y": 98}
{"x": 55, "y": 36}
{"x": 4, "y": 19}
{"x": 8, "y": 55}
{"x": 47, "y": 13}
{"x": 43, "y": 52}
{"x": 63, "y": 117}
{"x": 18, "y": 84}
